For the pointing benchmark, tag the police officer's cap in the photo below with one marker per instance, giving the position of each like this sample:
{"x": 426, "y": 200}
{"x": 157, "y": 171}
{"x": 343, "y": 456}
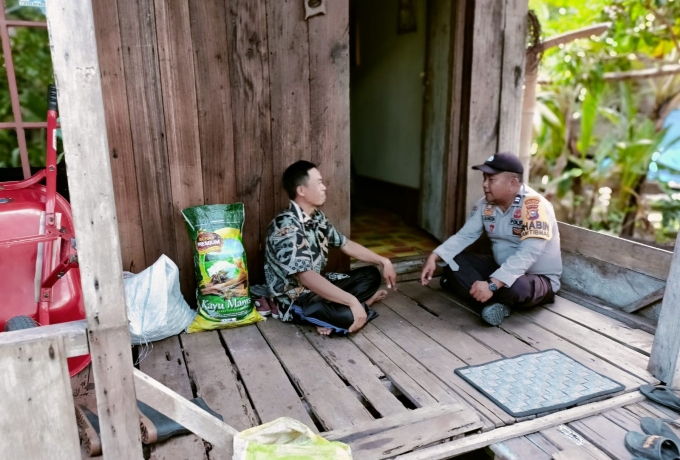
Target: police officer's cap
{"x": 501, "y": 162}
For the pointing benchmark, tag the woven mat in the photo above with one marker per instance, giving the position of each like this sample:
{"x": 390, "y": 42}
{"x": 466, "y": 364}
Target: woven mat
{"x": 536, "y": 383}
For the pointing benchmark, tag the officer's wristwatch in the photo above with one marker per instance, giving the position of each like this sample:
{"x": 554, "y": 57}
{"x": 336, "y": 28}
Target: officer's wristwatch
{"x": 492, "y": 286}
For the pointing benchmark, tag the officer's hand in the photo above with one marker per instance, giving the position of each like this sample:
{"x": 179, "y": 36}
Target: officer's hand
{"x": 480, "y": 291}
{"x": 429, "y": 267}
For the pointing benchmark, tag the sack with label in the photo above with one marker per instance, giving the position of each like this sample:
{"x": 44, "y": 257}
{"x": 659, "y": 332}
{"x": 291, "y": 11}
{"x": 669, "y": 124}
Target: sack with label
{"x": 220, "y": 267}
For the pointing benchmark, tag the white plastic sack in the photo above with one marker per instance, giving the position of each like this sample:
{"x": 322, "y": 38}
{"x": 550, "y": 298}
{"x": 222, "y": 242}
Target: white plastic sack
{"x": 155, "y": 306}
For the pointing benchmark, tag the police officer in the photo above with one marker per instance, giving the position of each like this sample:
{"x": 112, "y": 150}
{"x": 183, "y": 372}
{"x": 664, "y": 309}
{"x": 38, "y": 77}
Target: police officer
{"x": 526, "y": 265}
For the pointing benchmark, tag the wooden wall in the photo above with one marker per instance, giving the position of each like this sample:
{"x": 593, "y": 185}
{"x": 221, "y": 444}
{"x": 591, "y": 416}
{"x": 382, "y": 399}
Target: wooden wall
{"x": 497, "y": 57}
{"x": 473, "y": 100}
{"x": 208, "y": 102}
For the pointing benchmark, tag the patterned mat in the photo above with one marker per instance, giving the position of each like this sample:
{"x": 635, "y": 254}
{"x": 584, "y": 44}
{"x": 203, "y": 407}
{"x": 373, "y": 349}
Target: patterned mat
{"x": 536, "y": 383}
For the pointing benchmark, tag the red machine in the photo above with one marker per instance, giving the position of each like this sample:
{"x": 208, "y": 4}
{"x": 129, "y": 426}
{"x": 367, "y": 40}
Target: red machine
{"x": 39, "y": 275}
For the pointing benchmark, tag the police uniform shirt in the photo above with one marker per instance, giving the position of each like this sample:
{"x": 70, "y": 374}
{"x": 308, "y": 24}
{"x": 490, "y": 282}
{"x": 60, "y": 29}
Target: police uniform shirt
{"x": 525, "y": 238}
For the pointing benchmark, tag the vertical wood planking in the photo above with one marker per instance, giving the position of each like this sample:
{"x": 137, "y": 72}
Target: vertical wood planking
{"x": 329, "y": 111}
{"x": 289, "y": 86}
{"x": 179, "y": 102}
{"x": 251, "y": 114}
{"x": 211, "y": 67}
{"x": 436, "y": 122}
{"x": 142, "y": 75}
{"x": 453, "y": 206}
{"x": 76, "y": 70}
{"x": 484, "y": 120}
{"x": 121, "y": 153}
{"x": 514, "y": 56}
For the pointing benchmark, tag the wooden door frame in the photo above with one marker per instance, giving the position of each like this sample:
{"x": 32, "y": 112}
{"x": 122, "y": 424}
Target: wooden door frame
{"x": 485, "y": 97}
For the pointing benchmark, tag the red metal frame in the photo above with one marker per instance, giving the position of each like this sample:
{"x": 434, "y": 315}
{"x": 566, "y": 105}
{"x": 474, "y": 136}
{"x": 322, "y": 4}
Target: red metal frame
{"x": 50, "y": 274}
{"x": 55, "y": 301}
{"x": 18, "y": 125}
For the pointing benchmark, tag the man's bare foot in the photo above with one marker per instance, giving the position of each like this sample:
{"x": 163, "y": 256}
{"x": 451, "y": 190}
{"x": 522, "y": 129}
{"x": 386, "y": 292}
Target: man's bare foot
{"x": 323, "y": 330}
{"x": 377, "y": 297}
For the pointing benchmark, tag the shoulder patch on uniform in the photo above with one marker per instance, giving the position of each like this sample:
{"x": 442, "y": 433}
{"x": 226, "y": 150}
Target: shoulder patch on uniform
{"x": 474, "y": 210}
{"x": 536, "y": 220}
{"x": 517, "y": 200}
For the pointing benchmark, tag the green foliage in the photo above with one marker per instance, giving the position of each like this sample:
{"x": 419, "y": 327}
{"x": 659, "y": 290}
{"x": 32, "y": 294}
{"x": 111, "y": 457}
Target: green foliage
{"x": 33, "y": 68}
{"x": 670, "y": 219}
{"x": 593, "y": 133}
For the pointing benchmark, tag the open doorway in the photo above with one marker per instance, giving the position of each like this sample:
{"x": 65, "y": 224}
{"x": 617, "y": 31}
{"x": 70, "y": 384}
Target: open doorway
{"x": 389, "y": 42}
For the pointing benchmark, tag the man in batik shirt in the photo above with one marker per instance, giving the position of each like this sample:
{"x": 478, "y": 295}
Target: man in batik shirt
{"x": 297, "y": 251}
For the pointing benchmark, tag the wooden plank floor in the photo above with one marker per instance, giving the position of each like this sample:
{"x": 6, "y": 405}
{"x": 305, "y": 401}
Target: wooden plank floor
{"x": 401, "y": 361}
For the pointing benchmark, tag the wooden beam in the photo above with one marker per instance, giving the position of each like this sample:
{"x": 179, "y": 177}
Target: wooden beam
{"x": 329, "y": 114}
{"x": 646, "y": 301}
{"x": 455, "y": 149}
{"x": 251, "y": 116}
{"x": 121, "y": 148}
{"x": 597, "y": 305}
{"x": 38, "y": 421}
{"x": 436, "y": 113}
{"x": 81, "y": 107}
{"x": 389, "y": 422}
{"x": 618, "y": 251}
{"x": 184, "y": 412}
{"x": 655, "y": 72}
{"x": 485, "y": 85}
{"x": 74, "y": 334}
{"x": 139, "y": 44}
{"x": 664, "y": 362}
{"x": 512, "y": 76}
{"x": 567, "y": 37}
{"x": 178, "y": 88}
{"x": 288, "y": 41}
{"x": 470, "y": 443}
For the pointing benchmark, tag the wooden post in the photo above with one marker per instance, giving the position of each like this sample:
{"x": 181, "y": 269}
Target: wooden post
{"x": 485, "y": 86}
{"x": 37, "y": 421}
{"x": 436, "y": 113}
{"x": 76, "y": 68}
{"x": 512, "y": 84}
{"x": 496, "y": 85}
{"x": 664, "y": 362}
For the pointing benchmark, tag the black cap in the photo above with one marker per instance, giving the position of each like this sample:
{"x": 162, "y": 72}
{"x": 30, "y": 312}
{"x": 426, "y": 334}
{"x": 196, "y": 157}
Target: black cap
{"x": 501, "y": 162}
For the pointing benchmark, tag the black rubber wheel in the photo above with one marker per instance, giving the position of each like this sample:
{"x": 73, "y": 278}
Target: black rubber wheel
{"x": 20, "y": 322}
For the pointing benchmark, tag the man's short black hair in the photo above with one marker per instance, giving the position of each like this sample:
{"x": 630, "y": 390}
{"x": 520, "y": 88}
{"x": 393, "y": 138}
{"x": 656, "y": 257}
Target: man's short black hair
{"x": 296, "y": 175}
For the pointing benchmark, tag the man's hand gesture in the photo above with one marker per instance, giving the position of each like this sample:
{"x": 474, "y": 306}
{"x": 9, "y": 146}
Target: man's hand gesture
{"x": 429, "y": 267}
{"x": 389, "y": 274}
